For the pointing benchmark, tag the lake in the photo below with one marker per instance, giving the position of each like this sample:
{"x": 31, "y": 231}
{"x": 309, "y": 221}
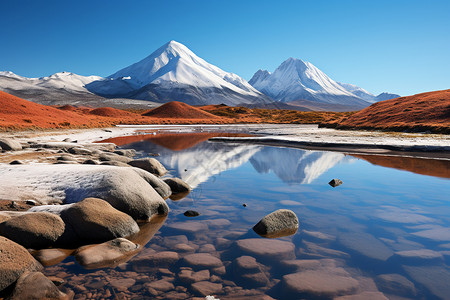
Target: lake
{"x": 384, "y": 233}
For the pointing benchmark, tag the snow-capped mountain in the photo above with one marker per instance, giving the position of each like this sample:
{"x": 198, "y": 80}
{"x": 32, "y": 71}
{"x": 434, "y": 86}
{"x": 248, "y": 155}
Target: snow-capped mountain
{"x": 359, "y": 92}
{"x": 173, "y": 72}
{"x": 385, "y": 96}
{"x": 295, "y": 79}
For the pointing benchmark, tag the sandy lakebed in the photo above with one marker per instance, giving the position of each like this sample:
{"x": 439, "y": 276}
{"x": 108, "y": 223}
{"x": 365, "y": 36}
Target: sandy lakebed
{"x": 140, "y": 242}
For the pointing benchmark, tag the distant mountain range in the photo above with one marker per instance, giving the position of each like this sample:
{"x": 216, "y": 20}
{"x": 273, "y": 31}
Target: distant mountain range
{"x": 175, "y": 73}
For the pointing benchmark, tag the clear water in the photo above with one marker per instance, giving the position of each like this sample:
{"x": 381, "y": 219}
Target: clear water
{"x": 358, "y": 230}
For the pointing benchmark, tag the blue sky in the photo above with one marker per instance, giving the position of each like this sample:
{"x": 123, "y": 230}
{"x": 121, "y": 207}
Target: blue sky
{"x": 397, "y": 46}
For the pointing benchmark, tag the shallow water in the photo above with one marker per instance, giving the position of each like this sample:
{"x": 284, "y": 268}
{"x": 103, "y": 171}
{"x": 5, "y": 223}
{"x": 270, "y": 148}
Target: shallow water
{"x": 359, "y": 234}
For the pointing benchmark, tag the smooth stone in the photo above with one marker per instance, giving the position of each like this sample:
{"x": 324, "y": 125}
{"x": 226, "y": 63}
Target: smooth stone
{"x": 434, "y": 278}
{"x": 317, "y": 284}
{"x": 313, "y": 250}
{"x": 217, "y": 223}
{"x": 246, "y": 264}
{"x": 189, "y": 276}
{"x": 177, "y": 185}
{"x": 123, "y": 188}
{"x": 222, "y": 243}
{"x": 16, "y": 162}
{"x": 183, "y": 248}
{"x": 34, "y": 285}
{"x": 157, "y": 183}
{"x": 282, "y": 222}
{"x": 90, "y": 162}
{"x": 366, "y": 245}
{"x": 417, "y": 257}
{"x": 33, "y": 230}
{"x": 10, "y": 144}
{"x": 191, "y": 213}
{"x": 79, "y": 151}
{"x": 150, "y": 165}
{"x": 205, "y": 288}
{"x": 395, "y": 284}
{"x": 253, "y": 280}
{"x": 107, "y": 156}
{"x": 189, "y": 227}
{"x": 436, "y": 234}
{"x": 163, "y": 259}
{"x": 108, "y": 254}
{"x": 51, "y": 256}
{"x": 161, "y": 285}
{"x": 335, "y": 182}
{"x": 122, "y": 283}
{"x": 96, "y": 220}
{"x": 126, "y": 152}
{"x": 115, "y": 164}
{"x": 365, "y": 296}
{"x": 320, "y": 236}
{"x": 202, "y": 261}
{"x": 266, "y": 249}
{"x": 207, "y": 248}
{"x": 15, "y": 260}
{"x": 170, "y": 241}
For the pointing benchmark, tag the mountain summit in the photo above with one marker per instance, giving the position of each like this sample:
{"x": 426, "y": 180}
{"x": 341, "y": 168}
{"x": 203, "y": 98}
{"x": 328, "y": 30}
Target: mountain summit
{"x": 295, "y": 79}
{"x": 173, "y": 72}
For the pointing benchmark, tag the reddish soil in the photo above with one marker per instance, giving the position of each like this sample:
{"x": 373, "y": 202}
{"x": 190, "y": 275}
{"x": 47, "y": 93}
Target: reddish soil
{"x": 421, "y": 112}
{"x": 431, "y": 167}
{"x": 180, "y": 110}
{"x": 172, "y": 141}
{"x": 111, "y": 112}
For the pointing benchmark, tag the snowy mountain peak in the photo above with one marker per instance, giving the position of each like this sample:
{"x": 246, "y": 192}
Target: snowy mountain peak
{"x": 175, "y": 65}
{"x": 260, "y": 75}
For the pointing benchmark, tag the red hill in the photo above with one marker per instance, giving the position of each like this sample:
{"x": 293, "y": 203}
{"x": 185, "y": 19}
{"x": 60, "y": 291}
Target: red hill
{"x": 427, "y": 111}
{"x": 179, "y": 110}
{"x": 16, "y": 112}
{"x": 110, "y": 112}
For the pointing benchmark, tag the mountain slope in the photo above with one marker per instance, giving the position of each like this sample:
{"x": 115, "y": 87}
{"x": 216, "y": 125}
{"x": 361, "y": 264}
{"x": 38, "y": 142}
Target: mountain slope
{"x": 426, "y": 111}
{"x": 173, "y": 72}
{"x": 295, "y": 79}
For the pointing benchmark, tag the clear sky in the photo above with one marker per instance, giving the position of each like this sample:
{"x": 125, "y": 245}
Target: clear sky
{"x": 385, "y": 45}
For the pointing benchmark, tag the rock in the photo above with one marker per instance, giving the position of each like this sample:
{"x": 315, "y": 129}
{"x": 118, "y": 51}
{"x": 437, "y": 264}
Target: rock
{"x": 161, "y": 285}
{"x": 246, "y": 264}
{"x": 66, "y": 158}
{"x": 123, "y": 188}
{"x": 365, "y": 296}
{"x": 107, "y": 156}
{"x": 16, "y": 162}
{"x": 189, "y": 276}
{"x": 34, "y": 285}
{"x": 157, "y": 183}
{"x": 207, "y": 248}
{"x": 10, "y": 144}
{"x": 15, "y": 260}
{"x": 115, "y": 164}
{"x": 205, "y": 288}
{"x": 150, "y": 165}
{"x": 185, "y": 248}
{"x": 318, "y": 236}
{"x": 395, "y": 284}
{"x": 33, "y": 230}
{"x": 366, "y": 245}
{"x": 440, "y": 234}
{"x": 217, "y": 223}
{"x": 171, "y": 241}
{"x": 202, "y": 261}
{"x": 122, "y": 283}
{"x": 96, "y": 220}
{"x": 52, "y": 256}
{"x": 90, "y": 162}
{"x": 222, "y": 244}
{"x": 188, "y": 227}
{"x": 266, "y": 249}
{"x": 3, "y": 218}
{"x": 219, "y": 271}
{"x": 191, "y": 213}
{"x": 313, "y": 284}
{"x": 163, "y": 259}
{"x": 54, "y": 209}
{"x": 79, "y": 151}
{"x": 107, "y": 254}
{"x": 177, "y": 185}
{"x": 335, "y": 182}
{"x": 31, "y": 202}
{"x": 253, "y": 280}
{"x": 126, "y": 152}
{"x": 434, "y": 278}
{"x": 418, "y": 257}
{"x": 279, "y": 223}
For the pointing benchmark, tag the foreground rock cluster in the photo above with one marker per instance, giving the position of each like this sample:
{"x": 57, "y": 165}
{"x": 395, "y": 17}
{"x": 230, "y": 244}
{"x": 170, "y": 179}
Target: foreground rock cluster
{"x": 83, "y": 194}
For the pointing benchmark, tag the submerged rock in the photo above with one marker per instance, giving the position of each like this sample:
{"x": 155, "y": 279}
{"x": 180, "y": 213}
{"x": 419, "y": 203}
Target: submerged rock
{"x": 15, "y": 260}
{"x": 34, "y": 285}
{"x": 177, "y": 185}
{"x": 150, "y": 165}
{"x": 279, "y": 223}
{"x": 191, "y": 213}
{"x": 335, "y": 182}
{"x": 108, "y": 254}
{"x": 205, "y": 288}
{"x": 33, "y": 230}
{"x": 202, "y": 261}
{"x": 266, "y": 250}
{"x": 96, "y": 220}
{"x": 395, "y": 284}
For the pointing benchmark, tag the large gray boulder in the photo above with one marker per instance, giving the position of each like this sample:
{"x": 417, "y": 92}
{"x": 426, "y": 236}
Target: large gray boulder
{"x": 15, "y": 260}
{"x": 33, "y": 230}
{"x": 150, "y": 165}
{"x": 160, "y": 186}
{"x": 279, "y": 223}
{"x": 123, "y": 188}
{"x": 96, "y": 220}
{"x": 10, "y": 144}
